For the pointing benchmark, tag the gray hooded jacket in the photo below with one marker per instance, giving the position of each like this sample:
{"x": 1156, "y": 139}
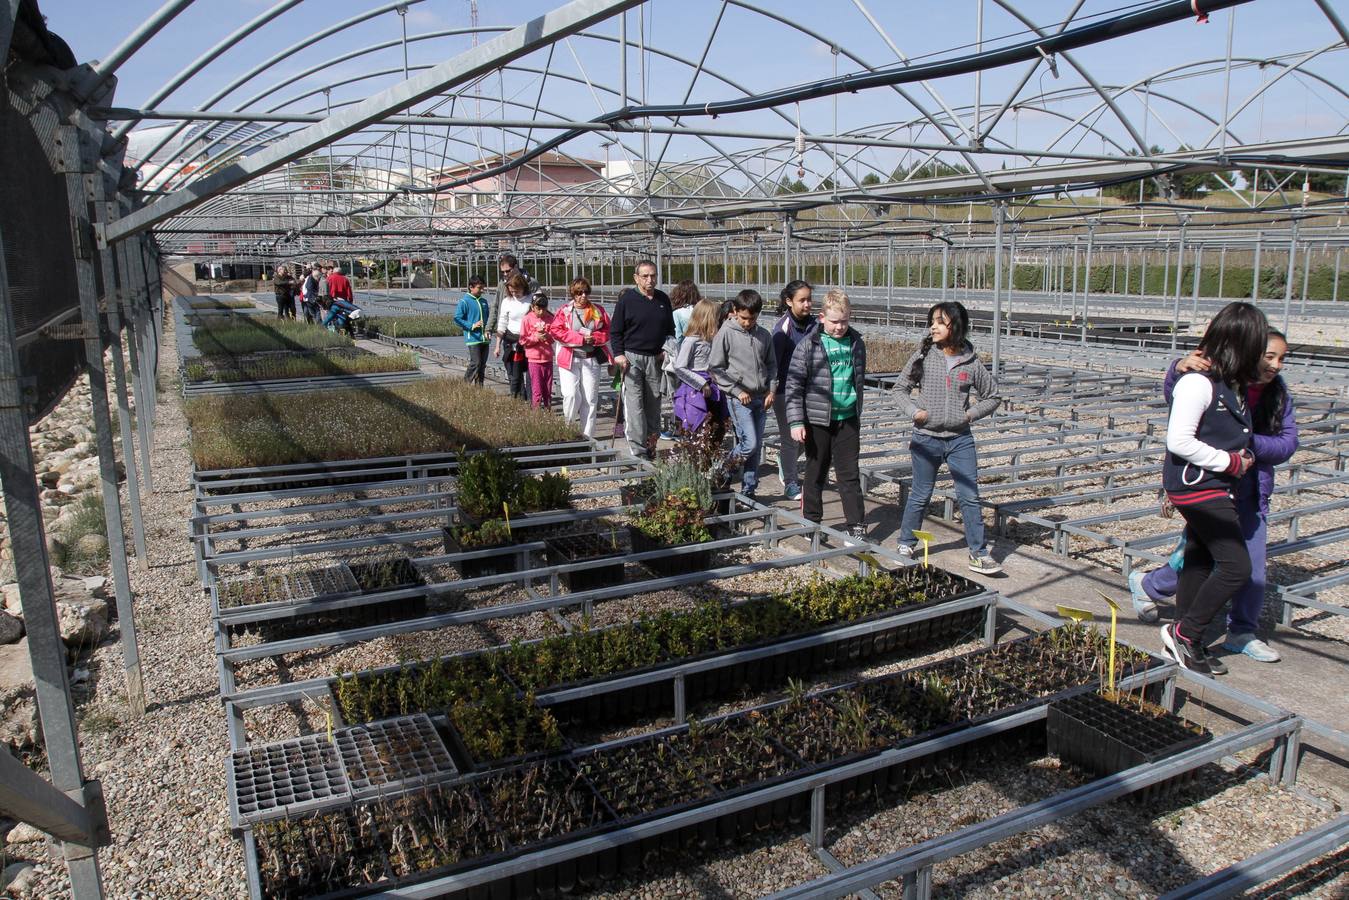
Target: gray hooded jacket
{"x": 948, "y": 395}
{"x": 743, "y": 360}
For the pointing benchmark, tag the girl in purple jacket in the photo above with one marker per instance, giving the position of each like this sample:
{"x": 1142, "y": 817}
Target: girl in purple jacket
{"x": 1275, "y": 440}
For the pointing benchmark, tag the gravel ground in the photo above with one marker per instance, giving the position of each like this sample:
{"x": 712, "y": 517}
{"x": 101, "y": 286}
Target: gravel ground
{"x": 162, "y": 775}
{"x": 164, "y": 779}
{"x": 1125, "y": 849}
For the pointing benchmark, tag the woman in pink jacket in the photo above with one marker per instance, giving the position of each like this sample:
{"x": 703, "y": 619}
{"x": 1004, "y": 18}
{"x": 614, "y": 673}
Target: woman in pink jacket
{"x": 538, "y": 344}
{"x": 581, "y": 329}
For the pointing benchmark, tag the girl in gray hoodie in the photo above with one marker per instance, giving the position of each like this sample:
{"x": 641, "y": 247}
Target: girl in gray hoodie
{"x": 954, "y": 390}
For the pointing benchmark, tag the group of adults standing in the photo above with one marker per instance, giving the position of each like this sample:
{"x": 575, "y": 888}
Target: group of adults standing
{"x": 322, "y": 292}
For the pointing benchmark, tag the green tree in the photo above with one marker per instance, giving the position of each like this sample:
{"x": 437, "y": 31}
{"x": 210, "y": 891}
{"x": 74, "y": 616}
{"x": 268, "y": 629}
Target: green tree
{"x": 870, "y": 179}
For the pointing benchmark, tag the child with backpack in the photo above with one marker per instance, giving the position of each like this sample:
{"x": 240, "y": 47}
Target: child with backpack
{"x": 743, "y": 365}
{"x": 823, "y": 396}
{"x": 698, "y": 402}
{"x": 538, "y": 344}
{"x": 954, "y": 391}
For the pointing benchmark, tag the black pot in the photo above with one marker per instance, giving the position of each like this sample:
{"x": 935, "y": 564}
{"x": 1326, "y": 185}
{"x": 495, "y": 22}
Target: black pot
{"x": 672, "y": 564}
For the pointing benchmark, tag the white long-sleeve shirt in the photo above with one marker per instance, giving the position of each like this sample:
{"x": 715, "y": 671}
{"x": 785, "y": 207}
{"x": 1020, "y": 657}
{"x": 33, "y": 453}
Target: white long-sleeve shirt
{"x": 512, "y": 315}
{"x": 1189, "y": 401}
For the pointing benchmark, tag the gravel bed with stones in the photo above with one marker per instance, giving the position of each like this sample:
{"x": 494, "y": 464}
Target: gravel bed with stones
{"x": 164, "y": 779}
{"x": 1125, "y": 849}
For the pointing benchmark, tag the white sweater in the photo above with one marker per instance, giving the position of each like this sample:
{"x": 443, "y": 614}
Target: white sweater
{"x": 1189, "y": 400}
{"x": 512, "y": 315}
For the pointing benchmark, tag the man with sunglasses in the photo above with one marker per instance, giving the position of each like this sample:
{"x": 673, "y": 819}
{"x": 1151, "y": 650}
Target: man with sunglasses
{"x": 643, "y": 319}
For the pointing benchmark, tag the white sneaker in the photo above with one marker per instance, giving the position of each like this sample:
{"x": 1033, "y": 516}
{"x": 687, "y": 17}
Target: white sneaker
{"x": 1252, "y": 646}
{"x": 904, "y": 550}
{"x": 1144, "y": 607}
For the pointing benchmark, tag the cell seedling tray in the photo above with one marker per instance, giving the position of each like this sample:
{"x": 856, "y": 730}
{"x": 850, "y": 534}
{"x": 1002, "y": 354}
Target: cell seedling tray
{"x": 313, "y": 773}
{"x": 393, "y": 754}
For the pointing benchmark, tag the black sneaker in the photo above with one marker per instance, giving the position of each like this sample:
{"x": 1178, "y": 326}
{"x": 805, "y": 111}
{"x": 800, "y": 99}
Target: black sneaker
{"x": 857, "y": 531}
{"x": 1215, "y": 665}
{"x": 1184, "y": 652}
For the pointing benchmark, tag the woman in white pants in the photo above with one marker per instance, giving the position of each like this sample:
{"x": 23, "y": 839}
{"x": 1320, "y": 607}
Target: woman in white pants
{"x": 581, "y": 329}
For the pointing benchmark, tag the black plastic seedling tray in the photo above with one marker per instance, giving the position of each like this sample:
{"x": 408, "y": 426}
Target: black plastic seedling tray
{"x": 582, "y": 547}
{"x": 673, "y": 564}
{"x": 1105, "y": 737}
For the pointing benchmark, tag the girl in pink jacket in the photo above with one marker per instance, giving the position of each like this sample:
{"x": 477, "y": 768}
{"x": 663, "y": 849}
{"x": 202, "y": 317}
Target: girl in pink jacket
{"x": 538, "y": 344}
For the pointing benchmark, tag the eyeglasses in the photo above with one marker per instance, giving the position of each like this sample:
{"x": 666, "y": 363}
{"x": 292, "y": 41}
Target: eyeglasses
{"x": 579, "y": 293}
{"x": 652, "y": 275}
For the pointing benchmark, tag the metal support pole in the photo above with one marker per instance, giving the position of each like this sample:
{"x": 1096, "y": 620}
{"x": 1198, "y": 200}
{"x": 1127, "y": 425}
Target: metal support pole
{"x": 999, "y": 216}
{"x": 945, "y": 264}
{"x": 1166, "y": 272}
{"x": 1126, "y": 274}
{"x": 1335, "y": 283}
{"x": 889, "y": 277}
{"x": 1198, "y": 273}
{"x": 83, "y": 189}
{"x": 32, "y": 569}
{"x": 1074, "y": 282}
{"x": 1222, "y": 269}
{"x": 1288, "y": 285}
{"x": 786, "y": 249}
{"x": 1143, "y": 275}
{"x": 1255, "y": 274}
{"x": 142, "y": 374}
{"x": 1306, "y": 276}
{"x": 1086, "y": 282}
{"x": 113, "y": 291}
{"x": 1180, "y": 267}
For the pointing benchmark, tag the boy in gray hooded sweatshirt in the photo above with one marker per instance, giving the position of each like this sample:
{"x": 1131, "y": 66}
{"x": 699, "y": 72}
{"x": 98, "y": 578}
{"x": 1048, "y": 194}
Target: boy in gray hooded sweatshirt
{"x": 745, "y": 367}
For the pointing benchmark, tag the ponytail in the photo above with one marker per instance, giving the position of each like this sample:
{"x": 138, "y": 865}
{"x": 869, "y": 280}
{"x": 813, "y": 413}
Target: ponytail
{"x": 916, "y": 369}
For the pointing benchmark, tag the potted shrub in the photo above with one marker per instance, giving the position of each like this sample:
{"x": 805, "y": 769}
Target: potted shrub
{"x": 673, "y": 520}
{"x": 490, "y": 484}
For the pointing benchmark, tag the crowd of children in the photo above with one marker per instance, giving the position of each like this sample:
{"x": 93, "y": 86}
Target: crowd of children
{"x": 717, "y": 370}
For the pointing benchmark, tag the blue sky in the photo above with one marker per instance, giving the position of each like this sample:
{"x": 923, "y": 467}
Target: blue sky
{"x": 758, "y": 53}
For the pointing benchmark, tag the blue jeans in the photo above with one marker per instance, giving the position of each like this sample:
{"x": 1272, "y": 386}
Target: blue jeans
{"x": 748, "y": 422}
{"x": 958, "y": 452}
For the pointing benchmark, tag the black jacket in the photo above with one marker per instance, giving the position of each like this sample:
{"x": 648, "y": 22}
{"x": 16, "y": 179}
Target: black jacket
{"x": 810, "y": 385}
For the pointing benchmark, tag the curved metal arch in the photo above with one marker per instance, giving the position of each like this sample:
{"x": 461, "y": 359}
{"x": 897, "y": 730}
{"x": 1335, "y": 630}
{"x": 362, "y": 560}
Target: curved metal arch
{"x": 210, "y": 56}
{"x": 1163, "y": 72}
{"x": 1273, "y": 81}
{"x": 452, "y": 32}
{"x": 314, "y": 70}
{"x": 435, "y": 35}
{"x": 1081, "y": 70}
{"x": 267, "y": 64}
{"x": 974, "y": 165}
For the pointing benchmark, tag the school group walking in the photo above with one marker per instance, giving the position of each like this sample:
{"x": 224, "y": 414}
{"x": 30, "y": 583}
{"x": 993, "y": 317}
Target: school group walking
{"x": 686, "y": 364}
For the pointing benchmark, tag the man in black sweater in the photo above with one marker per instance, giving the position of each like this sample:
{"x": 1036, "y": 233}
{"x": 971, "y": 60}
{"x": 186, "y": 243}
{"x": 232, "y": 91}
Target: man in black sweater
{"x": 643, "y": 319}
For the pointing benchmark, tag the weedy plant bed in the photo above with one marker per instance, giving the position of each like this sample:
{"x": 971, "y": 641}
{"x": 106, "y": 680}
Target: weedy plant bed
{"x": 592, "y": 656}
{"x": 217, "y": 303}
{"x": 614, "y": 786}
{"x": 431, "y": 416}
{"x": 237, "y": 336}
{"x": 229, "y": 369}
{"x": 412, "y": 326}
{"x": 263, "y": 593}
